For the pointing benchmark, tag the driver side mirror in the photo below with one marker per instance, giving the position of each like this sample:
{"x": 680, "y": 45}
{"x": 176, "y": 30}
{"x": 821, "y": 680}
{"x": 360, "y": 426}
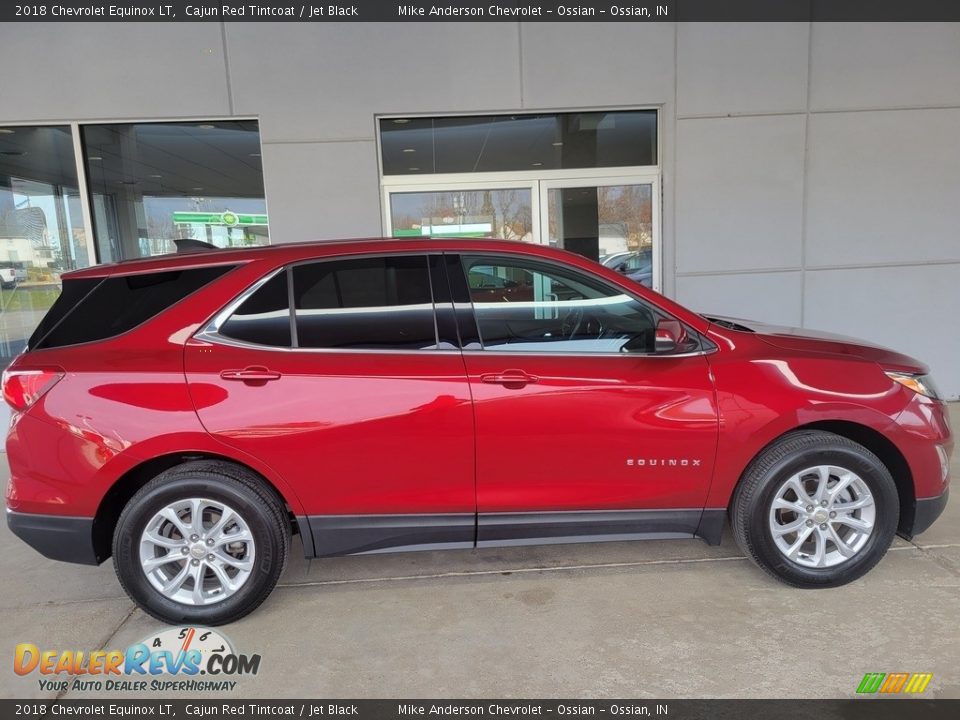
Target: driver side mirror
{"x": 670, "y": 335}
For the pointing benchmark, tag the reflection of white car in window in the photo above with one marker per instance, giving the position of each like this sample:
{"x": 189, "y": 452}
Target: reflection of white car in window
{"x": 9, "y": 276}
{"x": 636, "y": 265}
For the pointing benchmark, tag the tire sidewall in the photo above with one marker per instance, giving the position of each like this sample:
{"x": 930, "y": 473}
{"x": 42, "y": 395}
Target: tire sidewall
{"x": 143, "y": 508}
{"x": 886, "y": 501}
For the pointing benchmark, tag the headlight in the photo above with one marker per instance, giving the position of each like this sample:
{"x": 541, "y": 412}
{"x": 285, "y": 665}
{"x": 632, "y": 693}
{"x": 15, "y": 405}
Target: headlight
{"x": 922, "y": 384}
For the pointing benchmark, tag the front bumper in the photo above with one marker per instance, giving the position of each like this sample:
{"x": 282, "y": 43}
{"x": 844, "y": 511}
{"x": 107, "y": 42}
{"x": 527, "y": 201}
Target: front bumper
{"x": 69, "y": 539}
{"x": 925, "y": 512}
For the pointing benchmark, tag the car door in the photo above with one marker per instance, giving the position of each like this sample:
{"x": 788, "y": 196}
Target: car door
{"x": 577, "y": 439}
{"x": 354, "y": 398}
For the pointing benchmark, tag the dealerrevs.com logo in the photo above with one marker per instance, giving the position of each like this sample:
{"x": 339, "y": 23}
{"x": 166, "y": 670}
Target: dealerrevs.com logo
{"x": 185, "y": 653}
{"x": 894, "y": 683}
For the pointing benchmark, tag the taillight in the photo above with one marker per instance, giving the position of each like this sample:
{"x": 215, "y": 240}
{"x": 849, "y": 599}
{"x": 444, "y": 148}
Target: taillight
{"x": 22, "y": 388}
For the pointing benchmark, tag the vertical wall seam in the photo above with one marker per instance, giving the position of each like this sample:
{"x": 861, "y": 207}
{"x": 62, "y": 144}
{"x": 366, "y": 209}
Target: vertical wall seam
{"x": 520, "y": 59}
{"x": 675, "y": 140}
{"x": 804, "y": 182}
{"x": 226, "y": 66}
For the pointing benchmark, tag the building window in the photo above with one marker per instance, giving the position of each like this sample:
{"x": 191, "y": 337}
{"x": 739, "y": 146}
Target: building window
{"x": 499, "y": 143}
{"x": 586, "y": 181}
{"x": 41, "y": 227}
{"x": 151, "y": 183}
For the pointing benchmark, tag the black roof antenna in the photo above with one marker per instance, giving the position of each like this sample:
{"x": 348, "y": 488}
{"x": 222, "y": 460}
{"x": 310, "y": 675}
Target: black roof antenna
{"x": 190, "y": 245}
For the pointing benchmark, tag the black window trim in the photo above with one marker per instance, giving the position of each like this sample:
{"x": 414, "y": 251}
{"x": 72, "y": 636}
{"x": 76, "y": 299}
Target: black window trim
{"x": 211, "y": 331}
{"x": 706, "y": 347}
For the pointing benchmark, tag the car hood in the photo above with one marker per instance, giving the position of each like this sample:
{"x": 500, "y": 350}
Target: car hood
{"x": 792, "y": 338}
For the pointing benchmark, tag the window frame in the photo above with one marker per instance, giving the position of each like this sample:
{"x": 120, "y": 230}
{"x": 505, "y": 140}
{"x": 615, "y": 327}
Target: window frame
{"x": 443, "y": 309}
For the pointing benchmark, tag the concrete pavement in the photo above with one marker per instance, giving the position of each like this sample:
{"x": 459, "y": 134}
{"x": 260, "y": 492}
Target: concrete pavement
{"x": 650, "y": 619}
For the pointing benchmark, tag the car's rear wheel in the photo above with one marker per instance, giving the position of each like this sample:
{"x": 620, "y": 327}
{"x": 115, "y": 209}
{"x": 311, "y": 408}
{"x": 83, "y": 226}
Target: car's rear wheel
{"x": 815, "y": 510}
{"x": 203, "y": 542}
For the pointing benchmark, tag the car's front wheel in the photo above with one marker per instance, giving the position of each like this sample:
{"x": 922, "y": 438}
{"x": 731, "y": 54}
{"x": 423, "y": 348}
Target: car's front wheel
{"x": 203, "y": 542}
{"x": 815, "y": 510}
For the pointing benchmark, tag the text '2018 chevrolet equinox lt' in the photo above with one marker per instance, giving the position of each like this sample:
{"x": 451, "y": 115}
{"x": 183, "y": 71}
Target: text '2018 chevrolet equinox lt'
{"x": 187, "y": 414}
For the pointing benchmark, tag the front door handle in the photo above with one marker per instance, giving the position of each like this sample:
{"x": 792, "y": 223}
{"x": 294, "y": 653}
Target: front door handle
{"x": 251, "y": 374}
{"x": 513, "y": 379}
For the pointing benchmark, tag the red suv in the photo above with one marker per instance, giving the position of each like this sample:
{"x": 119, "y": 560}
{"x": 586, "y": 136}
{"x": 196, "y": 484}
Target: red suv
{"x": 186, "y": 414}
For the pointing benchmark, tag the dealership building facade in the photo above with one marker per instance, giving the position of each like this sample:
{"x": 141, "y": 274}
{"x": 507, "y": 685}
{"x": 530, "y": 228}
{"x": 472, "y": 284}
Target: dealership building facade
{"x": 794, "y": 173}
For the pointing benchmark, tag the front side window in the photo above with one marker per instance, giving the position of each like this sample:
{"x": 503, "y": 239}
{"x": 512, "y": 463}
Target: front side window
{"x": 380, "y": 303}
{"x": 524, "y": 306}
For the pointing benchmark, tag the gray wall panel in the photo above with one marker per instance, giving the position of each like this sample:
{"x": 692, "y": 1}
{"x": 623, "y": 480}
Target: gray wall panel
{"x": 739, "y": 193}
{"x": 64, "y": 71}
{"x": 314, "y": 81}
{"x": 769, "y": 297}
{"x": 883, "y": 187}
{"x": 578, "y": 65}
{"x": 321, "y": 191}
{"x": 741, "y": 68}
{"x": 879, "y": 65}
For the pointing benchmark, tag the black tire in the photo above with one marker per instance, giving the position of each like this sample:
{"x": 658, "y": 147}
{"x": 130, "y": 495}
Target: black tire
{"x": 260, "y": 508}
{"x": 751, "y": 504}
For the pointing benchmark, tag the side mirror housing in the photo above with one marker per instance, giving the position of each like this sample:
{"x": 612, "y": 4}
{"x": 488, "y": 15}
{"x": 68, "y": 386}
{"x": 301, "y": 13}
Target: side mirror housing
{"x": 670, "y": 335}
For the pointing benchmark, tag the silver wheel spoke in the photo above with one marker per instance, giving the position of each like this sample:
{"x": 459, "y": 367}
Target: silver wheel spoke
{"x": 216, "y": 532}
{"x": 859, "y": 504}
{"x": 225, "y": 581}
{"x": 820, "y": 547}
{"x": 161, "y": 560}
{"x": 242, "y": 536}
{"x": 801, "y": 539}
{"x": 197, "y": 572}
{"x": 781, "y": 504}
{"x": 823, "y": 474}
{"x": 856, "y": 523}
{"x": 844, "y": 549}
{"x": 790, "y": 527}
{"x": 841, "y": 485}
{"x": 162, "y": 541}
{"x": 244, "y": 564}
{"x": 801, "y": 492}
{"x": 170, "y": 514}
{"x": 178, "y": 580}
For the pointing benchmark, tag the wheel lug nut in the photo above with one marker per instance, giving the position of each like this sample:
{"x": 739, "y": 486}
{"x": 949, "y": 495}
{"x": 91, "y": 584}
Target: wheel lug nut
{"x": 184, "y": 551}
{"x": 809, "y": 523}
{"x": 210, "y": 556}
{"x": 210, "y": 542}
{"x": 194, "y": 537}
{"x": 833, "y": 514}
{"x": 823, "y": 503}
{"x": 823, "y": 527}
{"x": 194, "y": 562}
{"x": 809, "y": 508}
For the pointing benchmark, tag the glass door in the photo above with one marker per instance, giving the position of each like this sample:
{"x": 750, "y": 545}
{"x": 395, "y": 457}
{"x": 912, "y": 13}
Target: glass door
{"x": 506, "y": 210}
{"x": 611, "y": 220}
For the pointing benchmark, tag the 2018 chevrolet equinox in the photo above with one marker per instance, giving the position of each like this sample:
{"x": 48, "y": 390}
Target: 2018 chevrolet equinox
{"x": 188, "y": 413}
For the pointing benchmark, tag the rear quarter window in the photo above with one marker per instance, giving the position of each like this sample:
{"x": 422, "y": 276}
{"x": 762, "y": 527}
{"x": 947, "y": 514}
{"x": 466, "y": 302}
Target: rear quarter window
{"x": 96, "y": 309}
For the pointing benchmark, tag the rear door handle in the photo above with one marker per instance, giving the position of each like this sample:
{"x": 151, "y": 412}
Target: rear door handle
{"x": 513, "y": 379}
{"x": 252, "y": 374}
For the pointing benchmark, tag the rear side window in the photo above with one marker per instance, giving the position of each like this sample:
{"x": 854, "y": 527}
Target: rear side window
{"x": 117, "y": 304}
{"x": 365, "y": 303}
{"x": 264, "y": 317}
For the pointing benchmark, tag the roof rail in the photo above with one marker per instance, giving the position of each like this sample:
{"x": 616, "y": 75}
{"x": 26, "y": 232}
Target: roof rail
{"x": 190, "y": 245}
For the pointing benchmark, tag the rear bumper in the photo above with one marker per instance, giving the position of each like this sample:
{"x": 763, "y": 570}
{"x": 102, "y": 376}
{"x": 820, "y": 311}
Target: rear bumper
{"x": 69, "y": 539}
{"x": 926, "y": 511}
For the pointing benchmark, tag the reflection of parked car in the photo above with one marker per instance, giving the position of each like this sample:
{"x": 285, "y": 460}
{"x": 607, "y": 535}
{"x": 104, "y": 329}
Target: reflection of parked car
{"x": 188, "y": 414}
{"x": 9, "y": 275}
{"x": 636, "y": 265}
